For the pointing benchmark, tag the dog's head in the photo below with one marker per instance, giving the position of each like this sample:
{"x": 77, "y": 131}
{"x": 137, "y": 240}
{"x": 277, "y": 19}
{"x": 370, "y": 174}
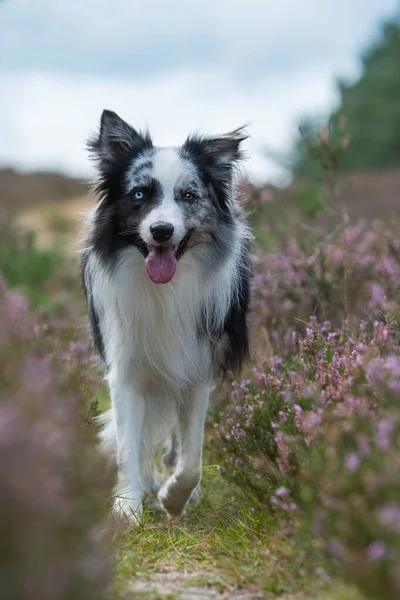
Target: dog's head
{"x": 164, "y": 201}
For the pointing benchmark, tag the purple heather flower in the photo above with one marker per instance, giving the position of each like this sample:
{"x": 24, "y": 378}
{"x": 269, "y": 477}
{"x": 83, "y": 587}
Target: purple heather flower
{"x": 323, "y": 574}
{"x": 282, "y": 416}
{"x": 393, "y": 365}
{"x": 388, "y": 515}
{"x": 384, "y": 429}
{"x": 337, "y": 548}
{"x": 266, "y": 195}
{"x": 376, "y": 551}
{"x": 375, "y": 371}
{"x": 352, "y": 461}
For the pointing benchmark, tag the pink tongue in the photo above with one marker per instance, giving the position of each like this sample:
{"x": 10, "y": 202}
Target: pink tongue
{"x": 161, "y": 264}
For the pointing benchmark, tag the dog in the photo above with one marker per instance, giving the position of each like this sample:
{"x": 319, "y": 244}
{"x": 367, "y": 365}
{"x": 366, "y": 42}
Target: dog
{"x": 167, "y": 275}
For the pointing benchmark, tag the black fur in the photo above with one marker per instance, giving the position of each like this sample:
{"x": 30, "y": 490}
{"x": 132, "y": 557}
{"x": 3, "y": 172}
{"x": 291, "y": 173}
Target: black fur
{"x": 216, "y": 159}
{"x": 93, "y": 316}
{"x": 113, "y": 155}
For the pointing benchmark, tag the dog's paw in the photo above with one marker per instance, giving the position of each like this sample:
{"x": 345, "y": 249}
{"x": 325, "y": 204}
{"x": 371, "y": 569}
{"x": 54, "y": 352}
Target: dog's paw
{"x": 152, "y": 502}
{"x": 128, "y": 509}
{"x": 177, "y": 492}
{"x": 171, "y": 501}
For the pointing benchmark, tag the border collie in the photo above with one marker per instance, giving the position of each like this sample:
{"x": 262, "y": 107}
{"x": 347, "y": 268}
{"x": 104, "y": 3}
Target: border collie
{"x": 167, "y": 273}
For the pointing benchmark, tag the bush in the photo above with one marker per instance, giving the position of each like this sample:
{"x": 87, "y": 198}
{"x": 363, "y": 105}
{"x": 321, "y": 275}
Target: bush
{"x": 315, "y": 432}
{"x": 347, "y": 275}
{"x": 54, "y": 486}
{"x": 26, "y": 267}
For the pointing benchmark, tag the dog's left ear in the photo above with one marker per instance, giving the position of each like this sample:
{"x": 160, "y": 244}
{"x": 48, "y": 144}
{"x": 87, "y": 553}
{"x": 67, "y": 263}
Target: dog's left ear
{"x": 218, "y": 156}
{"x": 117, "y": 141}
{"x": 224, "y": 149}
{"x": 219, "y": 151}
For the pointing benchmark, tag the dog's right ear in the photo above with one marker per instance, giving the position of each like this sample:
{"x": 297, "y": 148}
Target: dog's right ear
{"x": 116, "y": 141}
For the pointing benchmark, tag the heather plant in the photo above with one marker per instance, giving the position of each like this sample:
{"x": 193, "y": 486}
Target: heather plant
{"x": 349, "y": 274}
{"x": 54, "y": 485}
{"x": 326, "y": 146}
{"x": 316, "y": 434}
{"x": 313, "y": 432}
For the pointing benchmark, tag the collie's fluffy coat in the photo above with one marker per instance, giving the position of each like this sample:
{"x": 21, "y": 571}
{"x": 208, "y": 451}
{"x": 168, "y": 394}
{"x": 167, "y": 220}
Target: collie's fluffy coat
{"x": 166, "y": 271}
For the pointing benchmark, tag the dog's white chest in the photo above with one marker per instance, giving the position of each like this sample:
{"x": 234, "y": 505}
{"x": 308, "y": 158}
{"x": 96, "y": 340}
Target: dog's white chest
{"x": 153, "y": 327}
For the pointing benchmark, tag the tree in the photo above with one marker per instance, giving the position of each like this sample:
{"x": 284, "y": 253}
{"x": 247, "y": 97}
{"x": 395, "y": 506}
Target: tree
{"x": 372, "y": 110}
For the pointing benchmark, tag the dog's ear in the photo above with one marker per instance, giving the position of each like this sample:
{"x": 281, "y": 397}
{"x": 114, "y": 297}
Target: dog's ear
{"x": 218, "y": 157}
{"x": 224, "y": 149}
{"x": 116, "y": 141}
{"x": 218, "y": 151}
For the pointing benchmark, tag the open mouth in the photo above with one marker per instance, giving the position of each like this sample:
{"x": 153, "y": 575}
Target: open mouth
{"x": 161, "y": 261}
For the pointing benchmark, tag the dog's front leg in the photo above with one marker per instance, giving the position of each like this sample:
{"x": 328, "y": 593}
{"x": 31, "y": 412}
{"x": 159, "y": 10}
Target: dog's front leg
{"x": 129, "y": 412}
{"x": 178, "y": 489}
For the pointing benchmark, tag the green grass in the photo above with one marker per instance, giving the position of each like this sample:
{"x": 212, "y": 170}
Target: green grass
{"x": 228, "y": 542}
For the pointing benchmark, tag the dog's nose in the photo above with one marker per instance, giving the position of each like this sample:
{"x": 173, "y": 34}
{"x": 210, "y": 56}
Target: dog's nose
{"x": 161, "y": 231}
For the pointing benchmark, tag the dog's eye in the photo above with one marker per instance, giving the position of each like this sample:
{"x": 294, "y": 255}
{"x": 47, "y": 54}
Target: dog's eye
{"x": 188, "y": 196}
{"x": 138, "y": 195}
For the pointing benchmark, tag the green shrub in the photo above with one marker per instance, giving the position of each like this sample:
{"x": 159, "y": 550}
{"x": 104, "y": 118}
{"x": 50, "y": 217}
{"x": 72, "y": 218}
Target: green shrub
{"x": 26, "y": 267}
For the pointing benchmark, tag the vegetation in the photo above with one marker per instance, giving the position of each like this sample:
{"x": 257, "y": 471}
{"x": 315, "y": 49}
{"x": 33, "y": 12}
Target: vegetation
{"x": 301, "y": 490}
{"x": 371, "y": 108}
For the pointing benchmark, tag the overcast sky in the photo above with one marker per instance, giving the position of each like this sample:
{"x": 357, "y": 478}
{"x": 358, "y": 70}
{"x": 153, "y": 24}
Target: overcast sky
{"x": 176, "y": 66}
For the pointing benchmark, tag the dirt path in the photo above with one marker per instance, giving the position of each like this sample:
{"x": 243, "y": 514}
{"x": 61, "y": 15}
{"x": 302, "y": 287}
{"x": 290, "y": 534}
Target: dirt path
{"x": 171, "y": 583}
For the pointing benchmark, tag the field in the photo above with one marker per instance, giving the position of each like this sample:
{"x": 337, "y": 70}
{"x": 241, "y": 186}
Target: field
{"x": 301, "y": 486}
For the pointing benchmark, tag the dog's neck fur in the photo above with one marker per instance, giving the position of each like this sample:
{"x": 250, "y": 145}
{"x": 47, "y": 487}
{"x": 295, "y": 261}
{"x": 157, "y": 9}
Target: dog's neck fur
{"x": 154, "y": 329}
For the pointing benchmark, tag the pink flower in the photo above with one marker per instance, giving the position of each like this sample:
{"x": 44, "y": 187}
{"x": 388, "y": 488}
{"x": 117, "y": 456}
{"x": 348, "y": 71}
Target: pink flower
{"x": 376, "y": 551}
{"x": 282, "y": 416}
{"x": 324, "y": 136}
{"x": 323, "y": 574}
{"x": 393, "y": 365}
{"x": 377, "y": 293}
{"x": 352, "y": 461}
{"x": 266, "y": 195}
{"x": 337, "y": 549}
{"x": 384, "y": 429}
{"x": 389, "y": 516}
{"x": 375, "y": 371}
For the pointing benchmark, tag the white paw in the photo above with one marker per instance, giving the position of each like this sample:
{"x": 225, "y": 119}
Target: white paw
{"x": 128, "y": 508}
{"x": 176, "y": 492}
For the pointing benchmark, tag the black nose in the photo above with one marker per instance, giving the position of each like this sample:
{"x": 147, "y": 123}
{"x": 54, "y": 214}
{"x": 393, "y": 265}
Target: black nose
{"x": 161, "y": 231}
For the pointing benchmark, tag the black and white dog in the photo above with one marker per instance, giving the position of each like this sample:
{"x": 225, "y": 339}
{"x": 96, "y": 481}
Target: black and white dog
{"x": 164, "y": 216}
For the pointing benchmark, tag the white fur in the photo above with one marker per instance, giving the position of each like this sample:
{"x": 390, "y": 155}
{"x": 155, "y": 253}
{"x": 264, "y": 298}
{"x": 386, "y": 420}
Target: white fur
{"x": 160, "y": 373}
{"x": 169, "y": 169}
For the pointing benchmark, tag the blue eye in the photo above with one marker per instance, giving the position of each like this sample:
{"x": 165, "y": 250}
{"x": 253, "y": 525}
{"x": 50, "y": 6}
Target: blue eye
{"x": 138, "y": 195}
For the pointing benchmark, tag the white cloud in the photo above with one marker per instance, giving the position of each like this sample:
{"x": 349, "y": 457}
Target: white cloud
{"x": 142, "y": 37}
{"x": 209, "y": 65}
{"x": 49, "y": 119}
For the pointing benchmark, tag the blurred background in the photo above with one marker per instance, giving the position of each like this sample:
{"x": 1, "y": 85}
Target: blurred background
{"x": 205, "y": 65}
{"x": 307, "y": 448}
{"x": 208, "y": 66}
